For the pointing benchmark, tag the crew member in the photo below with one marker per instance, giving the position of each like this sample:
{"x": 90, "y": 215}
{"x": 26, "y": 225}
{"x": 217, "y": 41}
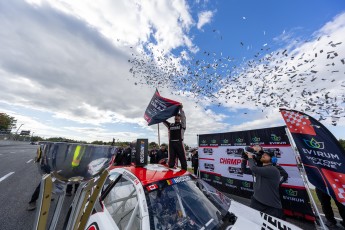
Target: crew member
{"x": 325, "y": 201}
{"x": 195, "y": 161}
{"x": 176, "y": 135}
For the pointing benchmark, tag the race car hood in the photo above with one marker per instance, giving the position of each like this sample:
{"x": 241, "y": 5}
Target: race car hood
{"x": 248, "y": 218}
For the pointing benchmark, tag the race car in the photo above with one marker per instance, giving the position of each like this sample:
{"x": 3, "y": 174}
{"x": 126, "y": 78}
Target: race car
{"x": 157, "y": 197}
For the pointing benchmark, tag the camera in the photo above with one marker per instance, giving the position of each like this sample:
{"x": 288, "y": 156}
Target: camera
{"x": 256, "y": 155}
{"x": 249, "y": 149}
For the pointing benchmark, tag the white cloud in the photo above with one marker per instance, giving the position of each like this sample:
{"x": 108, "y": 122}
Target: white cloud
{"x": 204, "y": 18}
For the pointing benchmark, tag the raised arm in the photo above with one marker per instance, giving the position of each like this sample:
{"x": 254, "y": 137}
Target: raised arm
{"x": 166, "y": 123}
{"x": 183, "y": 117}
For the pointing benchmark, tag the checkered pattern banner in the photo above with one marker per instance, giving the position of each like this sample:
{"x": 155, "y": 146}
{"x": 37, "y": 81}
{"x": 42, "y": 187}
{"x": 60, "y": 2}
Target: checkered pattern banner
{"x": 321, "y": 153}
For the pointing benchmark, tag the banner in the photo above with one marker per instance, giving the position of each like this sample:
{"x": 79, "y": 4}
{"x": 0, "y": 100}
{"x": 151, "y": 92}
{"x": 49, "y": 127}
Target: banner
{"x": 220, "y": 165}
{"x": 321, "y": 153}
{"x": 160, "y": 109}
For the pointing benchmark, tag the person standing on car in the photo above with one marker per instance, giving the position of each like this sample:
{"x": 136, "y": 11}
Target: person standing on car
{"x": 162, "y": 155}
{"x": 176, "y": 135}
{"x": 195, "y": 161}
{"x": 266, "y": 196}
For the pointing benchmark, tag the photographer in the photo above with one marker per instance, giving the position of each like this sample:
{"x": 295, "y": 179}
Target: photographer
{"x": 266, "y": 185}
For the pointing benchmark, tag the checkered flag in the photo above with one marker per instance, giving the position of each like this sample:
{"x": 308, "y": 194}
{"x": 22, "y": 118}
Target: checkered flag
{"x": 298, "y": 123}
{"x": 337, "y": 181}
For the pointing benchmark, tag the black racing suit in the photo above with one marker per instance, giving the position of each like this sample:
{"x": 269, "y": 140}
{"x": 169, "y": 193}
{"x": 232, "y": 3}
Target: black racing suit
{"x": 176, "y": 146}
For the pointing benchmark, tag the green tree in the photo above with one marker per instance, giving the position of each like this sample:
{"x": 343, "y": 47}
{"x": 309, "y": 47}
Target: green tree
{"x": 7, "y": 122}
{"x": 152, "y": 144}
{"x": 97, "y": 142}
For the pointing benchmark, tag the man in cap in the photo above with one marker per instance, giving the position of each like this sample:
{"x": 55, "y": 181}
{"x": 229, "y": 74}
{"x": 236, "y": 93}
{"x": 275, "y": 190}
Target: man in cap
{"x": 266, "y": 185}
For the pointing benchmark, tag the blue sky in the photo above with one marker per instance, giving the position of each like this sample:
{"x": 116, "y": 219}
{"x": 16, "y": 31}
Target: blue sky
{"x": 65, "y": 72}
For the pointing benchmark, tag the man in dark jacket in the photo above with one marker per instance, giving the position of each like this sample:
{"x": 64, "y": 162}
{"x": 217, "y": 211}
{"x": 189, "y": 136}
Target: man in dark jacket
{"x": 162, "y": 154}
{"x": 266, "y": 196}
{"x": 195, "y": 161}
{"x": 153, "y": 155}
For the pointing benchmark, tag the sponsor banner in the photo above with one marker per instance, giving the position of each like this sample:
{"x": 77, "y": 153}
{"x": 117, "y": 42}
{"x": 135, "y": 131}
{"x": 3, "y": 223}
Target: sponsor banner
{"x": 321, "y": 153}
{"x": 296, "y": 199}
{"x": 160, "y": 109}
{"x": 220, "y": 165}
{"x": 269, "y": 136}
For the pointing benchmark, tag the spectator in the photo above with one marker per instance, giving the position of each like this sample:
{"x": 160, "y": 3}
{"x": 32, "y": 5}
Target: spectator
{"x": 325, "y": 201}
{"x": 195, "y": 161}
{"x": 266, "y": 186}
{"x": 162, "y": 155}
{"x": 153, "y": 155}
{"x": 127, "y": 154}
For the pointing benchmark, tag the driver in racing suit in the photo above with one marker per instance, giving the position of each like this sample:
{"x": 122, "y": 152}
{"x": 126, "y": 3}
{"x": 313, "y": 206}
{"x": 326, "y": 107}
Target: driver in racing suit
{"x": 176, "y": 135}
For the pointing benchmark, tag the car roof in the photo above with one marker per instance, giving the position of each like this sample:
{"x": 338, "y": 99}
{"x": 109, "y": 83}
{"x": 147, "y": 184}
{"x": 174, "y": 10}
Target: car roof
{"x": 152, "y": 173}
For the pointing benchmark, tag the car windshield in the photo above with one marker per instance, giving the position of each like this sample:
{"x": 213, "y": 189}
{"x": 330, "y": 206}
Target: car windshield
{"x": 190, "y": 204}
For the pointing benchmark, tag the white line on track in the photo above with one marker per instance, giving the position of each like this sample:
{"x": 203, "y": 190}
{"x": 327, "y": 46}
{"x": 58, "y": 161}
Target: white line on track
{"x": 29, "y": 161}
{"x": 7, "y": 175}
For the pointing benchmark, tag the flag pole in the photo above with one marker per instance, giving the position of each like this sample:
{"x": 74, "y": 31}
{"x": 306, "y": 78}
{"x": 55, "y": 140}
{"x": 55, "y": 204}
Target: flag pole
{"x": 198, "y": 172}
{"x": 159, "y": 137}
{"x": 303, "y": 174}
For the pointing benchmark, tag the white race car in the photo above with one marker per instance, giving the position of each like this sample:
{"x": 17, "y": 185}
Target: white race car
{"x": 156, "y": 197}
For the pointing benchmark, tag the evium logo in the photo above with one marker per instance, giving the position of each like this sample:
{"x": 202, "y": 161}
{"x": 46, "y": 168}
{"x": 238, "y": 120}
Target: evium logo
{"x": 256, "y": 139}
{"x": 230, "y": 181}
{"x": 213, "y": 141}
{"x": 225, "y": 141}
{"x": 217, "y": 178}
{"x": 314, "y": 144}
{"x": 203, "y": 141}
{"x": 246, "y": 184}
{"x": 239, "y": 140}
{"x": 206, "y": 175}
{"x": 291, "y": 192}
{"x": 275, "y": 137}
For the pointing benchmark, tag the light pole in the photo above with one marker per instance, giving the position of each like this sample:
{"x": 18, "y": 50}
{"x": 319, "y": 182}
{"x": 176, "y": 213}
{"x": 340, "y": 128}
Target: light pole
{"x": 15, "y": 137}
{"x": 32, "y": 134}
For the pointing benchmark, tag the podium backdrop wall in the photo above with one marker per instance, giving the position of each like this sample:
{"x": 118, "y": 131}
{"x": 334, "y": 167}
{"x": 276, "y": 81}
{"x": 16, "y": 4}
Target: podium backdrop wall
{"x": 220, "y": 165}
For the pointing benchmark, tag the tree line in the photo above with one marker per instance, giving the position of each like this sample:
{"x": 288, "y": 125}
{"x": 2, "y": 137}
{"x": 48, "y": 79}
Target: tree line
{"x": 7, "y": 123}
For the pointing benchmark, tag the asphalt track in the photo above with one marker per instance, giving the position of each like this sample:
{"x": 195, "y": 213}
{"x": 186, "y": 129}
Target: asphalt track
{"x": 19, "y": 177}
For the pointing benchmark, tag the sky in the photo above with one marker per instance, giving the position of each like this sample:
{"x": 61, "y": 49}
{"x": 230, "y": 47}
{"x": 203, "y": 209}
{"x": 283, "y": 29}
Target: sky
{"x": 65, "y": 65}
